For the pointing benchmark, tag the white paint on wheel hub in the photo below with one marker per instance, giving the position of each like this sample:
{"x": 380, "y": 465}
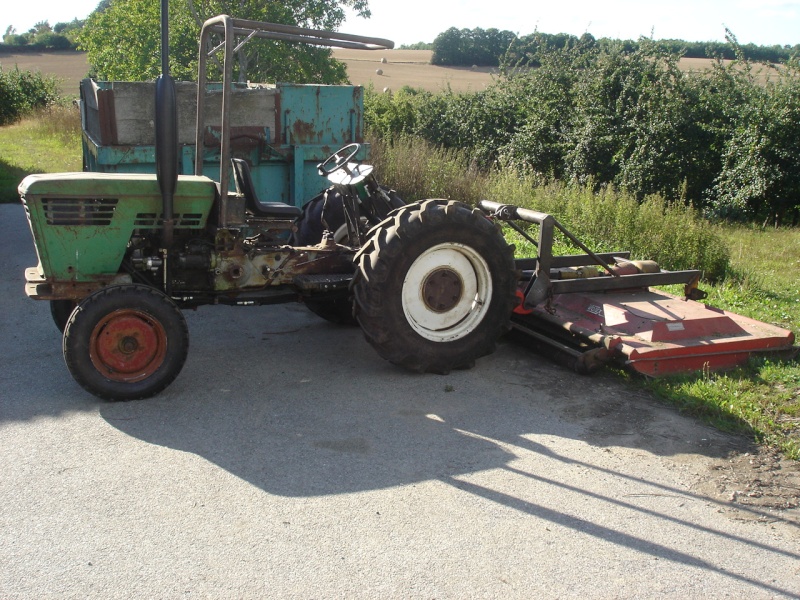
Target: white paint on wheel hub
{"x": 465, "y": 309}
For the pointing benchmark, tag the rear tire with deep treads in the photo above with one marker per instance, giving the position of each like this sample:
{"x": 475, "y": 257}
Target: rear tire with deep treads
{"x": 126, "y": 342}
{"x": 434, "y": 286}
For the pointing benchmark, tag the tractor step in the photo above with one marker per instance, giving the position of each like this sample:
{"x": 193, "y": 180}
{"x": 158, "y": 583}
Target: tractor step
{"x": 323, "y": 283}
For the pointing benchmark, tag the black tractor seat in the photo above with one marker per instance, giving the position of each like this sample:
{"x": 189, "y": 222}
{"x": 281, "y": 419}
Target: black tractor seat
{"x": 245, "y": 187}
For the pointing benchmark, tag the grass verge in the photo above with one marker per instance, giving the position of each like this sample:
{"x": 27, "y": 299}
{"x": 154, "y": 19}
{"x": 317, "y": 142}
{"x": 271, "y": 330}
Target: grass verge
{"x": 762, "y": 398}
{"x": 48, "y": 141}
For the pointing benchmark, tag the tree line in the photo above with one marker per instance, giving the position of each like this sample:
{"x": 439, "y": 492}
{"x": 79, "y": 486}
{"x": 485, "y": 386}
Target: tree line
{"x": 723, "y": 140}
{"x": 492, "y": 47}
{"x": 61, "y": 36}
{"x": 598, "y": 112}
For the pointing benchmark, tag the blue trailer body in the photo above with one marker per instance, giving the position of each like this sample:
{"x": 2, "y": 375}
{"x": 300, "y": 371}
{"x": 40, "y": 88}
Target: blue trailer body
{"x": 282, "y": 130}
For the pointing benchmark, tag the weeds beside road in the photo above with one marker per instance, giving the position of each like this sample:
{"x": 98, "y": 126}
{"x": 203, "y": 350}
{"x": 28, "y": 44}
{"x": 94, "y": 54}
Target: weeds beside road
{"x": 49, "y": 142}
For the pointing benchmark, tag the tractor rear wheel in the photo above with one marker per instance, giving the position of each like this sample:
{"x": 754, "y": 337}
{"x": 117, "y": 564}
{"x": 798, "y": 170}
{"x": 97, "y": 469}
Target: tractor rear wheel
{"x": 434, "y": 286}
{"x": 310, "y": 227}
{"x": 126, "y": 342}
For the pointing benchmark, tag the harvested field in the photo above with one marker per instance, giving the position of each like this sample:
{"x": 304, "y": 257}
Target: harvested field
{"x": 68, "y": 67}
{"x": 402, "y": 67}
{"x": 412, "y": 68}
{"x": 696, "y": 65}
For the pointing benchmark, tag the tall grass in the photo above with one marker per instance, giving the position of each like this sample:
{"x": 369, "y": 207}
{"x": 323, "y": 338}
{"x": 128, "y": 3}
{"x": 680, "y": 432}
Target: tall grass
{"x": 672, "y": 234}
{"x": 60, "y": 121}
{"x": 46, "y": 141}
{"x": 419, "y": 171}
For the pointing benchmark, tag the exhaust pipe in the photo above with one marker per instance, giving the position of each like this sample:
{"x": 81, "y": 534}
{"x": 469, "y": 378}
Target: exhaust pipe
{"x": 166, "y": 122}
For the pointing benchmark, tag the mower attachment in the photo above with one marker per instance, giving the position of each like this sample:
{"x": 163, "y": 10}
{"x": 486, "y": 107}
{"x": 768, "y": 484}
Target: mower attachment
{"x": 597, "y": 308}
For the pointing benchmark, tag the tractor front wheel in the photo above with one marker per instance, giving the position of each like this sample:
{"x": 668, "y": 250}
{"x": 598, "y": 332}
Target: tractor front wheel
{"x": 60, "y": 310}
{"x": 434, "y": 286}
{"x": 126, "y": 342}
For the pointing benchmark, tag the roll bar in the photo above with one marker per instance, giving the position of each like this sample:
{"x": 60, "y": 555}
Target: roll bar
{"x": 231, "y": 29}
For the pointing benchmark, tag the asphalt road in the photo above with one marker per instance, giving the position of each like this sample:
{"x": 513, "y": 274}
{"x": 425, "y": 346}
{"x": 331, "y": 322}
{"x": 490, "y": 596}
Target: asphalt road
{"x": 289, "y": 461}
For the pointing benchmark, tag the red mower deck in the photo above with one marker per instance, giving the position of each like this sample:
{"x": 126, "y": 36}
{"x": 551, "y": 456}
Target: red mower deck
{"x": 656, "y": 333}
{"x": 594, "y": 308}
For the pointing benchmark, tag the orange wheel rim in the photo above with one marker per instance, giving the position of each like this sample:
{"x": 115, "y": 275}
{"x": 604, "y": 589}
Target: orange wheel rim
{"x": 128, "y": 345}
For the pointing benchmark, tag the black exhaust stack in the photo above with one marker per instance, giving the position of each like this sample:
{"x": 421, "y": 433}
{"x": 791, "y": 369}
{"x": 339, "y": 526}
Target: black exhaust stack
{"x": 166, "y": 122}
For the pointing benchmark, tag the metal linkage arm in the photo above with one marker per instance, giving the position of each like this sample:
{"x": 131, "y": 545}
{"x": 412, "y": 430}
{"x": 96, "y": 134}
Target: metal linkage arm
{"x": 542, "y": 287}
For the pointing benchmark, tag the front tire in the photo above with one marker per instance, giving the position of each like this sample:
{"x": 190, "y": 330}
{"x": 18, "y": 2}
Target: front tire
{"x": 434, "y": 286}
{"x": 60, "y": 310}
{"x": 126, "y": 342}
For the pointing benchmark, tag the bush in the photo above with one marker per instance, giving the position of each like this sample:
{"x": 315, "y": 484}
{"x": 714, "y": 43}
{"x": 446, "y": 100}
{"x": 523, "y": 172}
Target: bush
{"x": 759, "y": 176}
{"x": 53, "y": 41}
{"x": 14, "y": 39}
{"x": 721, "y": 141}
{"x": 467, "y": 47}
{"x": 24, "y": 91}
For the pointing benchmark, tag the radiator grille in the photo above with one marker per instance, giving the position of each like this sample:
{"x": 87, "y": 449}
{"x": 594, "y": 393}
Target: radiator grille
{"x": 79, "y": 211}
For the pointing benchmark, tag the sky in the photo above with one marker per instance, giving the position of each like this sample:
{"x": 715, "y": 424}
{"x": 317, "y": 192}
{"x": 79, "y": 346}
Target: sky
{"x": 761, "y": 22}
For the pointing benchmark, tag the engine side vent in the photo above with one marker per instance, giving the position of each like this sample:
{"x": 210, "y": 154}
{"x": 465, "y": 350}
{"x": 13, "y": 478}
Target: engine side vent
{"x": 153, "y": 221}
{"x": 190, "y": 220}
{"x": 79, "y": 211}
{"x": 146, "y": 220}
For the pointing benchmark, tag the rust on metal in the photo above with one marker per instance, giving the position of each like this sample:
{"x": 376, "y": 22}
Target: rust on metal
{"x": 243, "y": 137}
{"x": 39, "y": 288}
{"x": 304, "y": 132}
{"x": 108, "y": 118}
{"x": 358, "y": 95}
{"x": 238, "y": 268}
{"x": 128, "y": 345}
{"x": 442, "y": 289}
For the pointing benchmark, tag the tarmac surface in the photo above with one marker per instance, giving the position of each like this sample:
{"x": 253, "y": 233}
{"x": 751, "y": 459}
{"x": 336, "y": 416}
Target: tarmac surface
{"x": 289, "y": 461}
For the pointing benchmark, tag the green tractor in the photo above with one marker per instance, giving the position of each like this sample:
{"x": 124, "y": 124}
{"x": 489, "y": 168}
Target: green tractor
{"x": 432, "y": 284}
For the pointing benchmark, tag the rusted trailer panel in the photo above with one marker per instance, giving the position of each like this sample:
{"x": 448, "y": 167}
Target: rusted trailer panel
{"x": 283, "y": 131}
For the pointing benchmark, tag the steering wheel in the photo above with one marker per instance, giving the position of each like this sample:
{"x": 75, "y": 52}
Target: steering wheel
{"x": 339, "y": 159}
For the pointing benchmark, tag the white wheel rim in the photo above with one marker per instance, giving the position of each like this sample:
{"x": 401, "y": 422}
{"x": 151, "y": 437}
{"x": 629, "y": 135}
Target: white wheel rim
{"x": 446, "y": 292}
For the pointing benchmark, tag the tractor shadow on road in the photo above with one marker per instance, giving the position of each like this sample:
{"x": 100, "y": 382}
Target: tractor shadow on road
{"x": 300, "y": 408}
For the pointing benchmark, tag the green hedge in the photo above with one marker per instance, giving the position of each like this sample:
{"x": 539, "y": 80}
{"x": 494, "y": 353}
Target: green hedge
{"x": 24, "y": 91}
{"x": 723, "y": 141}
